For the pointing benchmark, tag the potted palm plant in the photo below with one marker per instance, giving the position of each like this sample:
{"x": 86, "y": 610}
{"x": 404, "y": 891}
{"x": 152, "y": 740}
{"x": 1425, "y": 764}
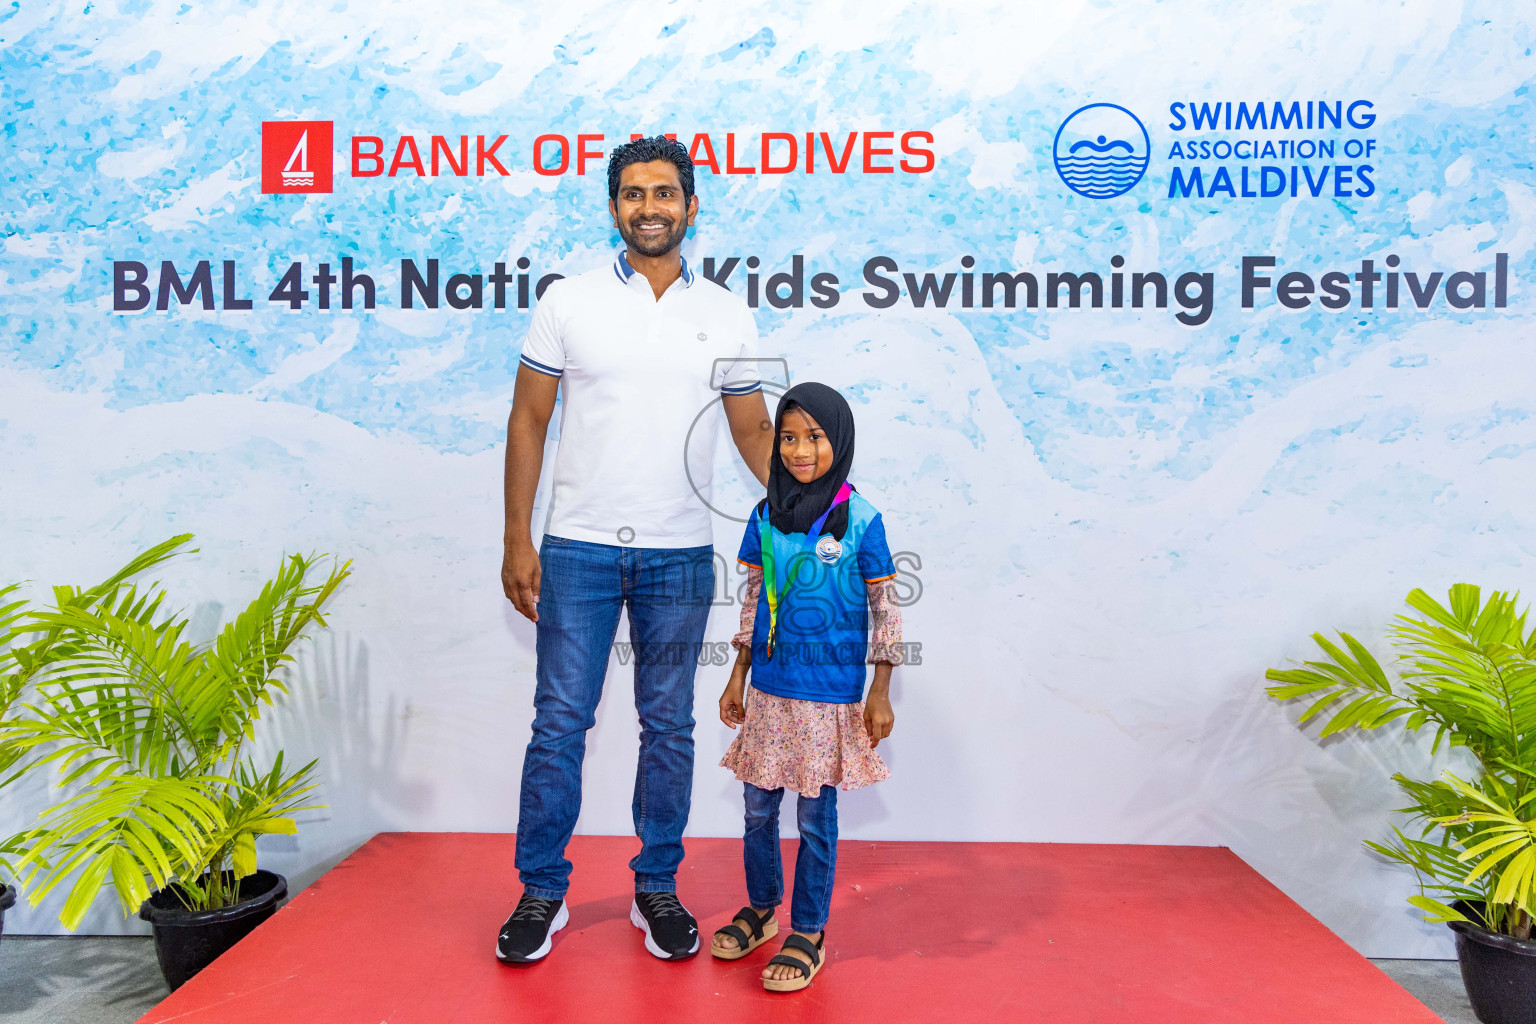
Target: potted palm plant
{"x": 1467, "y": 671}
{"x": 148, "y": 738}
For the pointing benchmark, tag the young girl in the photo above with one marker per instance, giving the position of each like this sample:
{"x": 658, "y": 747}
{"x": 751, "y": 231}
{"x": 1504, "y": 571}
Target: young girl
{"x": 818, "y": 572}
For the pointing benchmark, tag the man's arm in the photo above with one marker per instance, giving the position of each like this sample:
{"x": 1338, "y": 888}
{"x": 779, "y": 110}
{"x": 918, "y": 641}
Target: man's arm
{"x": 752, "y": 431}
{"x": 533, "y": 401}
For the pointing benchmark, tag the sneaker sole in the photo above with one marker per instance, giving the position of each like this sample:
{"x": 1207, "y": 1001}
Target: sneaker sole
{"x": 638, "y": 920}
{"x": 561, "y": 917}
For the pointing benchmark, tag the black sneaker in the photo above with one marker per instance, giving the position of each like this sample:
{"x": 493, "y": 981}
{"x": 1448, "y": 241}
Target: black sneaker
{"x": 530, "y": 931}
{"x": 671, "y": 933}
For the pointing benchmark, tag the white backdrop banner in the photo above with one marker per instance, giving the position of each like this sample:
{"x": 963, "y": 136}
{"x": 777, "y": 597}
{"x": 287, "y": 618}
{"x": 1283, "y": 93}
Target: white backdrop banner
{"x": 1173, "y": 333}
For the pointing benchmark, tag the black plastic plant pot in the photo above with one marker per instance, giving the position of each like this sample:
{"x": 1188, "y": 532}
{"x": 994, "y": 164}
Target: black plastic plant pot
{"x": 1498, "y": 970}
{"x": 186, "y": 941}
{"x": 7, "y": 901}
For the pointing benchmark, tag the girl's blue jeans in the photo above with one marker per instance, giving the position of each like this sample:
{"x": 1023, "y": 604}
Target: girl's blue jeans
{"x": 815, "y": 863}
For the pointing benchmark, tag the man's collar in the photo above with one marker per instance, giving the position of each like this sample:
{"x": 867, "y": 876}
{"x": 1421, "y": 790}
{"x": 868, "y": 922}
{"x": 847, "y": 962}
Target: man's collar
{"x": 624, "y": 271}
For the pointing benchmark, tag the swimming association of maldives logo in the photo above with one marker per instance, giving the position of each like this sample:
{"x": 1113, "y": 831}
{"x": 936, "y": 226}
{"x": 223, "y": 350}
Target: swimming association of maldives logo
{"x": 1102, "y": 151}
{"x": 295, "y": 156}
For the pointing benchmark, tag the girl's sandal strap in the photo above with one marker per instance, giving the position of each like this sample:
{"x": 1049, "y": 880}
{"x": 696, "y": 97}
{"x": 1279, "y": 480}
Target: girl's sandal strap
{"x": 735, "y": 932}
{"x": 754, "y": 920}
{"x": 795, "y": 962}
{"x": 804, "y": 945}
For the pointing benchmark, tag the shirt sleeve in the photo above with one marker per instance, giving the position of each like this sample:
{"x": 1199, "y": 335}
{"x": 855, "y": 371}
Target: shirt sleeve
{"x": 543, "y": 350}
{"x": 884, "y": 624}
{"x": 743, "y": 637}
{"x": 874, "y": 555}
{"x": 751, "y": 553}
{"x": 739, "y": 376}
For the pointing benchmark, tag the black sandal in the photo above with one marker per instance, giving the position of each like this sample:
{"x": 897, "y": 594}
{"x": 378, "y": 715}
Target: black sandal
{"x": 807, "y": 971}
{"x": 763, "y": 929}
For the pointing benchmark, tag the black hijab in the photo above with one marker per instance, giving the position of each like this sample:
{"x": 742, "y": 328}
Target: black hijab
{"x": 792, "y": 506}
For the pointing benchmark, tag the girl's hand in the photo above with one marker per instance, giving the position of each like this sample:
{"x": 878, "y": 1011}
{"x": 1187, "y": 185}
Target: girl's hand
{"x": 878, "y": 718}
{"x": 733, "y": 709}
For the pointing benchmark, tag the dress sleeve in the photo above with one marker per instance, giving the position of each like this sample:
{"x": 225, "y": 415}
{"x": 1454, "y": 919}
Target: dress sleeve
{"x": 750, "y": 553}
{"x": 884, "y": 622}
{"x": 875, "y": 554}
{"x": 749, "y": 608}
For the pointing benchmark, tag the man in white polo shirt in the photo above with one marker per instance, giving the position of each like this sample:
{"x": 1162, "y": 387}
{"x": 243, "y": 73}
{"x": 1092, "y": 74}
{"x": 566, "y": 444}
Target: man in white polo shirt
{"x": 637, "y": 349}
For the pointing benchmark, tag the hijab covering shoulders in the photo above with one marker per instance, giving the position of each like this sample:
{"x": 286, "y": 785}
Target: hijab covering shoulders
{"x": 793, "y": 507}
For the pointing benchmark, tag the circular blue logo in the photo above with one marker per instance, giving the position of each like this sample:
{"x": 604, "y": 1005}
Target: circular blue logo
{"x": 1102, "y": 151}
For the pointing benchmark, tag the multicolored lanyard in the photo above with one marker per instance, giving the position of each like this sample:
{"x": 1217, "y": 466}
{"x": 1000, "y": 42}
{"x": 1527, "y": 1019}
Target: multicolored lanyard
{"x": 770, "y": 577}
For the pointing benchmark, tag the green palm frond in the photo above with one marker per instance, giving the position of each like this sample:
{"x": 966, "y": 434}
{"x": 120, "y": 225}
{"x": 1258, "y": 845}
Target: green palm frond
{"x": 248, "y": 652}
{"x": 1473, "y": 668}
{"x": 163, "y": 823}
{"x": 1355, "y": 678}
{"x": 13, "y": 626}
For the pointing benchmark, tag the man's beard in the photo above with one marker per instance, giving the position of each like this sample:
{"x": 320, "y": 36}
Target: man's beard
{"x": 659, "y": 247}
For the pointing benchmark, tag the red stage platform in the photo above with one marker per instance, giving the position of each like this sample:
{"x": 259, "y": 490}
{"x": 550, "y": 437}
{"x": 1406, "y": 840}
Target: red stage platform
{"x": 403, "y": 932}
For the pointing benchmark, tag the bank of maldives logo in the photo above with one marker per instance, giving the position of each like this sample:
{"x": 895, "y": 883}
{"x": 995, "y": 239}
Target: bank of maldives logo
{"x": 295, "y": 156}
{"x": 1102, "y": 151}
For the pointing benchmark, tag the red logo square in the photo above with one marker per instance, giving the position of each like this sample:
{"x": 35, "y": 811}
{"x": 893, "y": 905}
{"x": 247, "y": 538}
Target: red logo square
{"x": 295, "y": 156}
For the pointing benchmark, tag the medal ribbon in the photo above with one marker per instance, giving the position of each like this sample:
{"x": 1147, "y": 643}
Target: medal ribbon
{"x": 770, "y": 578}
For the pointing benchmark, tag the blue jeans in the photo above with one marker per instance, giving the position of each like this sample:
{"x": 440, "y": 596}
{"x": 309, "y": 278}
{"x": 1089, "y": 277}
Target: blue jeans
{"x": 583, "y": 586}
{"x": 815, "y": 862}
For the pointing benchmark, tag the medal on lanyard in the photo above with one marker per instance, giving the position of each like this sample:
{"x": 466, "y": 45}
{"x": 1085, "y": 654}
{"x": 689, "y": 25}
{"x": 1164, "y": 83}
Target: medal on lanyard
{"x": 770, "y": 578}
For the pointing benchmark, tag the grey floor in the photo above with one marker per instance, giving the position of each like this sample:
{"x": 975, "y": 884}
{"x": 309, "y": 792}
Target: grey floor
{"x": 115, "y": 981}
{"x": 82, "y": 981}
{"x": 1436, "y": 984}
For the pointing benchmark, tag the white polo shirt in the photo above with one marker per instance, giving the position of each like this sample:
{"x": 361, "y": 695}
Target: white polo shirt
{"x": 636, "y": 373}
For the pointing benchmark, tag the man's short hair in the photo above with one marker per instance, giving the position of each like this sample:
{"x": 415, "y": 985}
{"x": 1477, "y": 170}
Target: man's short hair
{"x": 643, "y": 151}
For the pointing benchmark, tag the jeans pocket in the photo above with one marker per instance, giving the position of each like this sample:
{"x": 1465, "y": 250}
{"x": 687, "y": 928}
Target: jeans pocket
{"x": 557, "y": 542}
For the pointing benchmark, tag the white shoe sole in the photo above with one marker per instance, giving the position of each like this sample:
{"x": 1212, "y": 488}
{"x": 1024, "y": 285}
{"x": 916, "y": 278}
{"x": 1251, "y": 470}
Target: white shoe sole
{"x": 638, "y": 920}
{"x": 561, "y": 917}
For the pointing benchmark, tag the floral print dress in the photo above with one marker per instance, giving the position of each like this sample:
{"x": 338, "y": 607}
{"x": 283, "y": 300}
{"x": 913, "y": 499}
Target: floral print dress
{"x": 803, "y": 745}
